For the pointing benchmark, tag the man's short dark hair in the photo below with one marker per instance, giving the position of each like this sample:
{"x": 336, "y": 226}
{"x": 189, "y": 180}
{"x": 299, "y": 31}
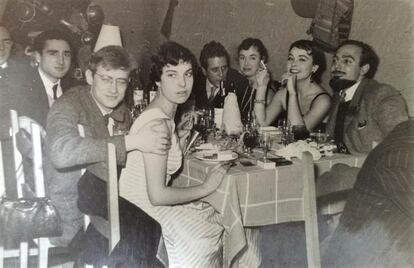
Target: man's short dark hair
{"x": 52, "y": 34}
{"x": 170, "y": 53}
{"x": 368, "y": 56}
{"x": 256, "y": 43}
{"x": 211, "y": 50}
{"x": 112, "y": 57}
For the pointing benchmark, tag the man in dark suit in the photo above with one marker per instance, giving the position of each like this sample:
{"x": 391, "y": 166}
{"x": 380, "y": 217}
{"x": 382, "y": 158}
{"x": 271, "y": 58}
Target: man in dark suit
{"x": 90, "y": 106}
{"x": 215, "y": 69}
{"x": 53, "y": 52}
{"x": 364, "y": 111}
{"x": 14, "y": 84}
{"x": 15, "y": 94}
{"x": 376, "y": 228}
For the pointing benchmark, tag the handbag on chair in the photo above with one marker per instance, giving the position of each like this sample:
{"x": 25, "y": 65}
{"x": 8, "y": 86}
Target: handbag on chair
{"x": 28, "y": 218}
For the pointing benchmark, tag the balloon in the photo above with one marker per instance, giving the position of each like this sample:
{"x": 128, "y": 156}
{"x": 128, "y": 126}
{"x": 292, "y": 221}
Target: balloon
{"x": 95, "y": 14}
{"x": 26, "y": 12}
{"x": 86, "y": 38}
{"x": 45, "y": 9}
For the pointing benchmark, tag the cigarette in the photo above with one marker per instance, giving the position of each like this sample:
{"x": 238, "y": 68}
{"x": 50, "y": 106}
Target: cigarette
{"x": 263, "y": 64}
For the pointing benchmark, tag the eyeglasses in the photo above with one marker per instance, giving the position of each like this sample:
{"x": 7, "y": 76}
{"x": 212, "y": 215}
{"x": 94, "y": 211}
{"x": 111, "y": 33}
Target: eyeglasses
{"x": 108, "y": 81}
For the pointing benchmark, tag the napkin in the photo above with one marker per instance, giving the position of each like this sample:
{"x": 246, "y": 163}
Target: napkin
{"x": 231, "y": 115}
{"x": 297, "y": 148}
{"x": 207, "y": 146}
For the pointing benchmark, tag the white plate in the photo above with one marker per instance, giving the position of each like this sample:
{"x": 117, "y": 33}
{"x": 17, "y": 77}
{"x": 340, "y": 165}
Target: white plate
{"x": 200, "y": 155}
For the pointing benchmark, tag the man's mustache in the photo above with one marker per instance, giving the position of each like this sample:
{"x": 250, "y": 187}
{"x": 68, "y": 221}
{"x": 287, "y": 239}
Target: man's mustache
{"x": 337, "y": 73}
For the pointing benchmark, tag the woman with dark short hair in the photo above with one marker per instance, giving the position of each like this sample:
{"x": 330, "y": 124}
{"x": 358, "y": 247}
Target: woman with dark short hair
{"x": 304, "y": 100}
{"x": 191, "y": 229}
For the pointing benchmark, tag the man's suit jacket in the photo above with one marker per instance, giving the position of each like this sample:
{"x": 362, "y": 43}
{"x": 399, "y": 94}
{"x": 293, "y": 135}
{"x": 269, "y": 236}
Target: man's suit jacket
{"x": 68, "y": 152}
{"x": 374, "y": 111}
{"x": 241, "y": 85}
{"x": 39, "y": 95}
{"x": 20, "y": 90}
{"x": 376, "y": 228}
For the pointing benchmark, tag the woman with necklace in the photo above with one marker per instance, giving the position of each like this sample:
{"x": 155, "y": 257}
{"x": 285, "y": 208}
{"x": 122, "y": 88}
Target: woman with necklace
{"x": 304, "y": 100}
{"x": 252, "y": 57}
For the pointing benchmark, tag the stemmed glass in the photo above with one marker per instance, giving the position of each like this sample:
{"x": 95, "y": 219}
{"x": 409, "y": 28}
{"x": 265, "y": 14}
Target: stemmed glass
{"x": 250, "y": 140}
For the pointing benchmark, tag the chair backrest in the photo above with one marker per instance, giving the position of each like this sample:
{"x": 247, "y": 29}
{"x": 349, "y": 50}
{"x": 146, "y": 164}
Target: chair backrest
{"x": 112, "y": 196}
{"x": 36, "y": 156}
{"x": 310, "y": 214}
{"x": 112, "y": 191}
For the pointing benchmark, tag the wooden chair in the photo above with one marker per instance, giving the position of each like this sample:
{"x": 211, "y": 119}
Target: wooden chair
{"x": 42, "y": 243}
{"x": 112, "y": 226}
{"x": 310, "y": 214}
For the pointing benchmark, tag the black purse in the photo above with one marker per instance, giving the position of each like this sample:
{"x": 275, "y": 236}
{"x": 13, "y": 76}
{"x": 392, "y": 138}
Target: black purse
{"x": 28, "y": 218}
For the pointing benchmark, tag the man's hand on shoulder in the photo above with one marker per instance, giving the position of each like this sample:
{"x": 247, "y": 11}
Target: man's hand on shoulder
{"x": 155, "y": 138}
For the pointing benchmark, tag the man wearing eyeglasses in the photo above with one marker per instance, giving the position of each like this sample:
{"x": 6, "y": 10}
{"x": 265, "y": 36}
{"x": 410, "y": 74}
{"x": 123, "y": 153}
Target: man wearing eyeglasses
{"x": 98, "y": 108}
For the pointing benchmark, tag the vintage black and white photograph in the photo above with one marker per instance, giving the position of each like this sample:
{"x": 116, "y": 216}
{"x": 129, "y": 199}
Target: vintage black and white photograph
{"x": 206, "y": 133}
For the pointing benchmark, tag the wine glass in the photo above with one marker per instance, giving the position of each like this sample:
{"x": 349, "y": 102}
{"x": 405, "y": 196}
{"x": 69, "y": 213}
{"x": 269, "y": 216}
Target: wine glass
{"x": 250, "y": 140}
{"x": 201, "y": 127}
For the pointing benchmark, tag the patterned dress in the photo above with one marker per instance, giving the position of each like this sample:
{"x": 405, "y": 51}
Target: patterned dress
{"x": 192, "y": 232}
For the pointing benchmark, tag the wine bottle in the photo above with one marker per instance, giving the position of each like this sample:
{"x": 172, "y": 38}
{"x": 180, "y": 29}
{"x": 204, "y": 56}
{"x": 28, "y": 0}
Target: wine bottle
{"x": 152, "y": 93}
{"x": 219, "y": 107}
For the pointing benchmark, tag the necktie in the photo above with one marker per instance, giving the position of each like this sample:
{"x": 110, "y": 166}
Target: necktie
{"x": 54, "y": 88}
{"x": 342, "y": 96}
{"x": 106, "y": 119}
{"x": 212, "y": 91}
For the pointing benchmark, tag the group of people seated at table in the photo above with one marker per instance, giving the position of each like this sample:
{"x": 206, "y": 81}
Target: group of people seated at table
{"x": 360, "y": 114}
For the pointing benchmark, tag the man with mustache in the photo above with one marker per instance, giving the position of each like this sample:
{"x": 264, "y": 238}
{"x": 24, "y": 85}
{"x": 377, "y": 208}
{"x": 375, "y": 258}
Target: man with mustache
{"x": 364, "y": 111}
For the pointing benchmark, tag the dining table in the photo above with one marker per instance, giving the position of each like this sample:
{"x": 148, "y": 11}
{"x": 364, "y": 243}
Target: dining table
{"x": 251, "y": 196}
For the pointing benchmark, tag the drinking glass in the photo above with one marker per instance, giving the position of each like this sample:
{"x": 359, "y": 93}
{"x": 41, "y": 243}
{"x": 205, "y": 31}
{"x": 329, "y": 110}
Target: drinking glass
{"x": 266, "y": 143}
{"x": 250, "y": 140}
{"x": 201, "y": 127}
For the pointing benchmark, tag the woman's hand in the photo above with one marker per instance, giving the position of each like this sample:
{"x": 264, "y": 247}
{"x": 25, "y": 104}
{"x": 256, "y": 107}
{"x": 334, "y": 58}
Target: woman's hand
{"x": 184, "y": 128}
{"x": 289, "y": 80}
{"x": 185, "y": 125}
{"x": 215, "y": 176}
{"x": 262, "y": 78}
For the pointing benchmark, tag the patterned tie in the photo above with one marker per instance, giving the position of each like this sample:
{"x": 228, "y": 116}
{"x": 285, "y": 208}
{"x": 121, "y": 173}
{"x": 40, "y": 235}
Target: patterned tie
{"x": 54, "y": 88}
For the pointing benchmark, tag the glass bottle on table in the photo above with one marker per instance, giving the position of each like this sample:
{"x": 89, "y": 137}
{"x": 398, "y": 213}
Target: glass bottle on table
{"x": 219, "y": 106}
{"x": 152, "y": 93}
{"x": 250, "y": 135}
{"x": 135, "y": 102}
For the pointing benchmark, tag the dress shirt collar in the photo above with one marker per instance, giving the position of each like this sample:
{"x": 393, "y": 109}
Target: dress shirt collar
{"x": 209, "y": 89}
{"x": 349, "y": 92}
{"x": 48, "y": 87}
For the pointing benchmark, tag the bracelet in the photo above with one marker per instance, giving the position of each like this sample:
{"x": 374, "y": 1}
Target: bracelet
{"x": 262, "y": 101}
